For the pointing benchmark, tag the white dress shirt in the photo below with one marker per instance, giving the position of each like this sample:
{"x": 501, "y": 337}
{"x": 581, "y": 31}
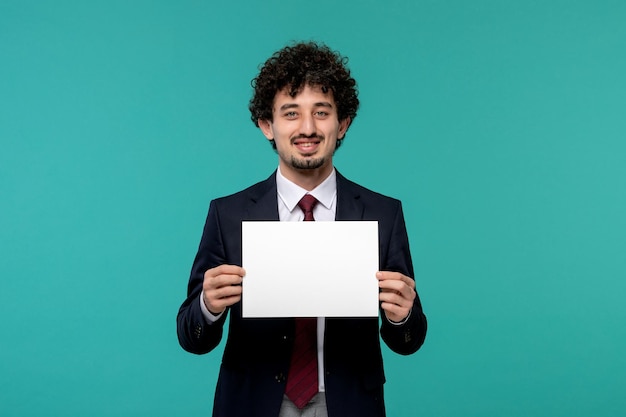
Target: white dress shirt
{"x": 289, "y": 194}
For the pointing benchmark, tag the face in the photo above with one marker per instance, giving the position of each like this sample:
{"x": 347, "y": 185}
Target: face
{"x": 305, "y": 129}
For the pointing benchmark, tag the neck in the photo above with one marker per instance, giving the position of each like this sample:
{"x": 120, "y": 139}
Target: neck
{"x": 306, "y": 178}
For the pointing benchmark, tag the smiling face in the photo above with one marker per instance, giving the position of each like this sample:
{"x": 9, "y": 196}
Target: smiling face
{"x": 305, "y": 129}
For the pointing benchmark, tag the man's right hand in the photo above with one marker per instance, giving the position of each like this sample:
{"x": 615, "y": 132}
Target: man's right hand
{"x": 222, "y": 287}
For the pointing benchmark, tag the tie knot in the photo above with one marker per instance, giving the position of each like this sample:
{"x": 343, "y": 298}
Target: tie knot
{"x": 306, "y": 204}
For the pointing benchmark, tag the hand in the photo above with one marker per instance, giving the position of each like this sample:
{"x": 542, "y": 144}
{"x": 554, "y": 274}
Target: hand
{"x": 222, "y": 287}
{"x": 397, "y": 294}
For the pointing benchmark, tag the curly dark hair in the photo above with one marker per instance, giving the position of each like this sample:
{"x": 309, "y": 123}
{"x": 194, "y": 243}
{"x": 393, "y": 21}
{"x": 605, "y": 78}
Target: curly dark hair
{"x": 302, "y": 64}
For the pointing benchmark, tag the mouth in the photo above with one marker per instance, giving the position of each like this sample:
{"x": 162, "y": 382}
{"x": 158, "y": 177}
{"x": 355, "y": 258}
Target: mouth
{"x": 307, "y": 145}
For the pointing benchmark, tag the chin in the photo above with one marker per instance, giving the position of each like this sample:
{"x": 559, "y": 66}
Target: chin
{"x": 313, "y": 163}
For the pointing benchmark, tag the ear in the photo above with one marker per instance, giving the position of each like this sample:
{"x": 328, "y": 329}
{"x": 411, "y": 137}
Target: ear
{"x": 343, "y": 127}
{"x": 266, "y": 128}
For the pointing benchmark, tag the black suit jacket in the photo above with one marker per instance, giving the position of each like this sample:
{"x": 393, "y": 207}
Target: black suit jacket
{"x": 256, "y": 356}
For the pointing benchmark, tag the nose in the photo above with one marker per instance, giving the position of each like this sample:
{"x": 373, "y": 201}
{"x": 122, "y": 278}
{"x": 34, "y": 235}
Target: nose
{"x": 307, "y": 125}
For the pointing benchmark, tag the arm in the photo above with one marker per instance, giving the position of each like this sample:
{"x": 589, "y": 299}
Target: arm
{"x": 404, "y": 326}
{"x": 214, "y": 284}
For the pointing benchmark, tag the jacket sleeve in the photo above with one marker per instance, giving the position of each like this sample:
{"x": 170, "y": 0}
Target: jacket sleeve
{"x": 408, "y": 337}
{"x": 195, "y": 334}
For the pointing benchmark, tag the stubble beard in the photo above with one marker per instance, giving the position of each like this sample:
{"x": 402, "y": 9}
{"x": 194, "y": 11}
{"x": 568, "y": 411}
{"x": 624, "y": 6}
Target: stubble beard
{"x": 307, "y": 163}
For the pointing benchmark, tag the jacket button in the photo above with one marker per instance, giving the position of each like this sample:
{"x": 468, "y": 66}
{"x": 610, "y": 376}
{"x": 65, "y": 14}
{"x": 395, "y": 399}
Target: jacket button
{"x": 280, "y": 377}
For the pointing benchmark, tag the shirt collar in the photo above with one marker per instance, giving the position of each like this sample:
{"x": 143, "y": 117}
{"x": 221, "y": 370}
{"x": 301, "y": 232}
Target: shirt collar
{"x": 291, "y": 193}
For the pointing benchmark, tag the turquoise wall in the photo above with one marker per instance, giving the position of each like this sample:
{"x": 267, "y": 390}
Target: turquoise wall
{"x": 500, "y": 124}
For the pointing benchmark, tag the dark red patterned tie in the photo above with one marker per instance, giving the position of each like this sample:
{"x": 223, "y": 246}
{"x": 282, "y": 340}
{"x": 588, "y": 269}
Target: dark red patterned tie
{"x": 302, "y": 384}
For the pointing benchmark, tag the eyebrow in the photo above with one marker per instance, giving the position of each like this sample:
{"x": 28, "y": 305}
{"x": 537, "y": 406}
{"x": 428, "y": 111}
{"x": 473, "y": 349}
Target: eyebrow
{"x": 287, "y": 106}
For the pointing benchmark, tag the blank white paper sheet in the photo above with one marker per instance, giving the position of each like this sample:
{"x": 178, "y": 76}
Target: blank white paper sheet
{"x": 310, "y": 269}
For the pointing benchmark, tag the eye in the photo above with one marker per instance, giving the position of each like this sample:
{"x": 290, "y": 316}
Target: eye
{"x": 291, "y": 115}
{"x": 321, "y": 114}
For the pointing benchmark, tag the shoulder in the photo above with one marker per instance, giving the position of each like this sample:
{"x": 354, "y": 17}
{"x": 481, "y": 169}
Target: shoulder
{"x": 252, "y": 192}
{"x": 364, "y": 194}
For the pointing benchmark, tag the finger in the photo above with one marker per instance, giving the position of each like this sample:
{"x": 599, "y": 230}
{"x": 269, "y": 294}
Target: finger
{"x": 225, "y": 280}
{"x": 389, "y": 275}
{"x": 217, "y": 300}
{"x": 213, "y": 280}
{"x": 396, "y": 299}
{"x": 403, "y": 292}
{"x": 395, "y": 285}
{"x": 395, "y": 276}
{"x": 218, "y": 306}
{"x": 225, "y": 292}
{"x": 394, "y": 312}
{"x": 226, "y": 270}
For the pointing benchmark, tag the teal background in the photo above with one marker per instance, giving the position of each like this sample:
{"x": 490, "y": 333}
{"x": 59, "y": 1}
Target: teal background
{"x": 499, "y": 124}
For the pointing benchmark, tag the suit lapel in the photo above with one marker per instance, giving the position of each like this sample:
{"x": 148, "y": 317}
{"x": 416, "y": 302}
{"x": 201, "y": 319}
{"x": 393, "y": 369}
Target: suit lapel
{"x": 262, "y": 202}
{"x": 349, "y": 204}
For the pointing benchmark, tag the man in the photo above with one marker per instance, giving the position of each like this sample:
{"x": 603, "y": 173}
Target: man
{"x": 304, "y": 101}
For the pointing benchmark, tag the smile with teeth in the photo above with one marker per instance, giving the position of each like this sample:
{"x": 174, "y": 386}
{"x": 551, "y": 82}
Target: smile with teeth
{"x": 306, "y": 144}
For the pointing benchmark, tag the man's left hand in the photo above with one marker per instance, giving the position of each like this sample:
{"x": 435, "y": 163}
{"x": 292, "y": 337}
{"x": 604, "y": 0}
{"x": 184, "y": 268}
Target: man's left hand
{"x": 397, "y": 294}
